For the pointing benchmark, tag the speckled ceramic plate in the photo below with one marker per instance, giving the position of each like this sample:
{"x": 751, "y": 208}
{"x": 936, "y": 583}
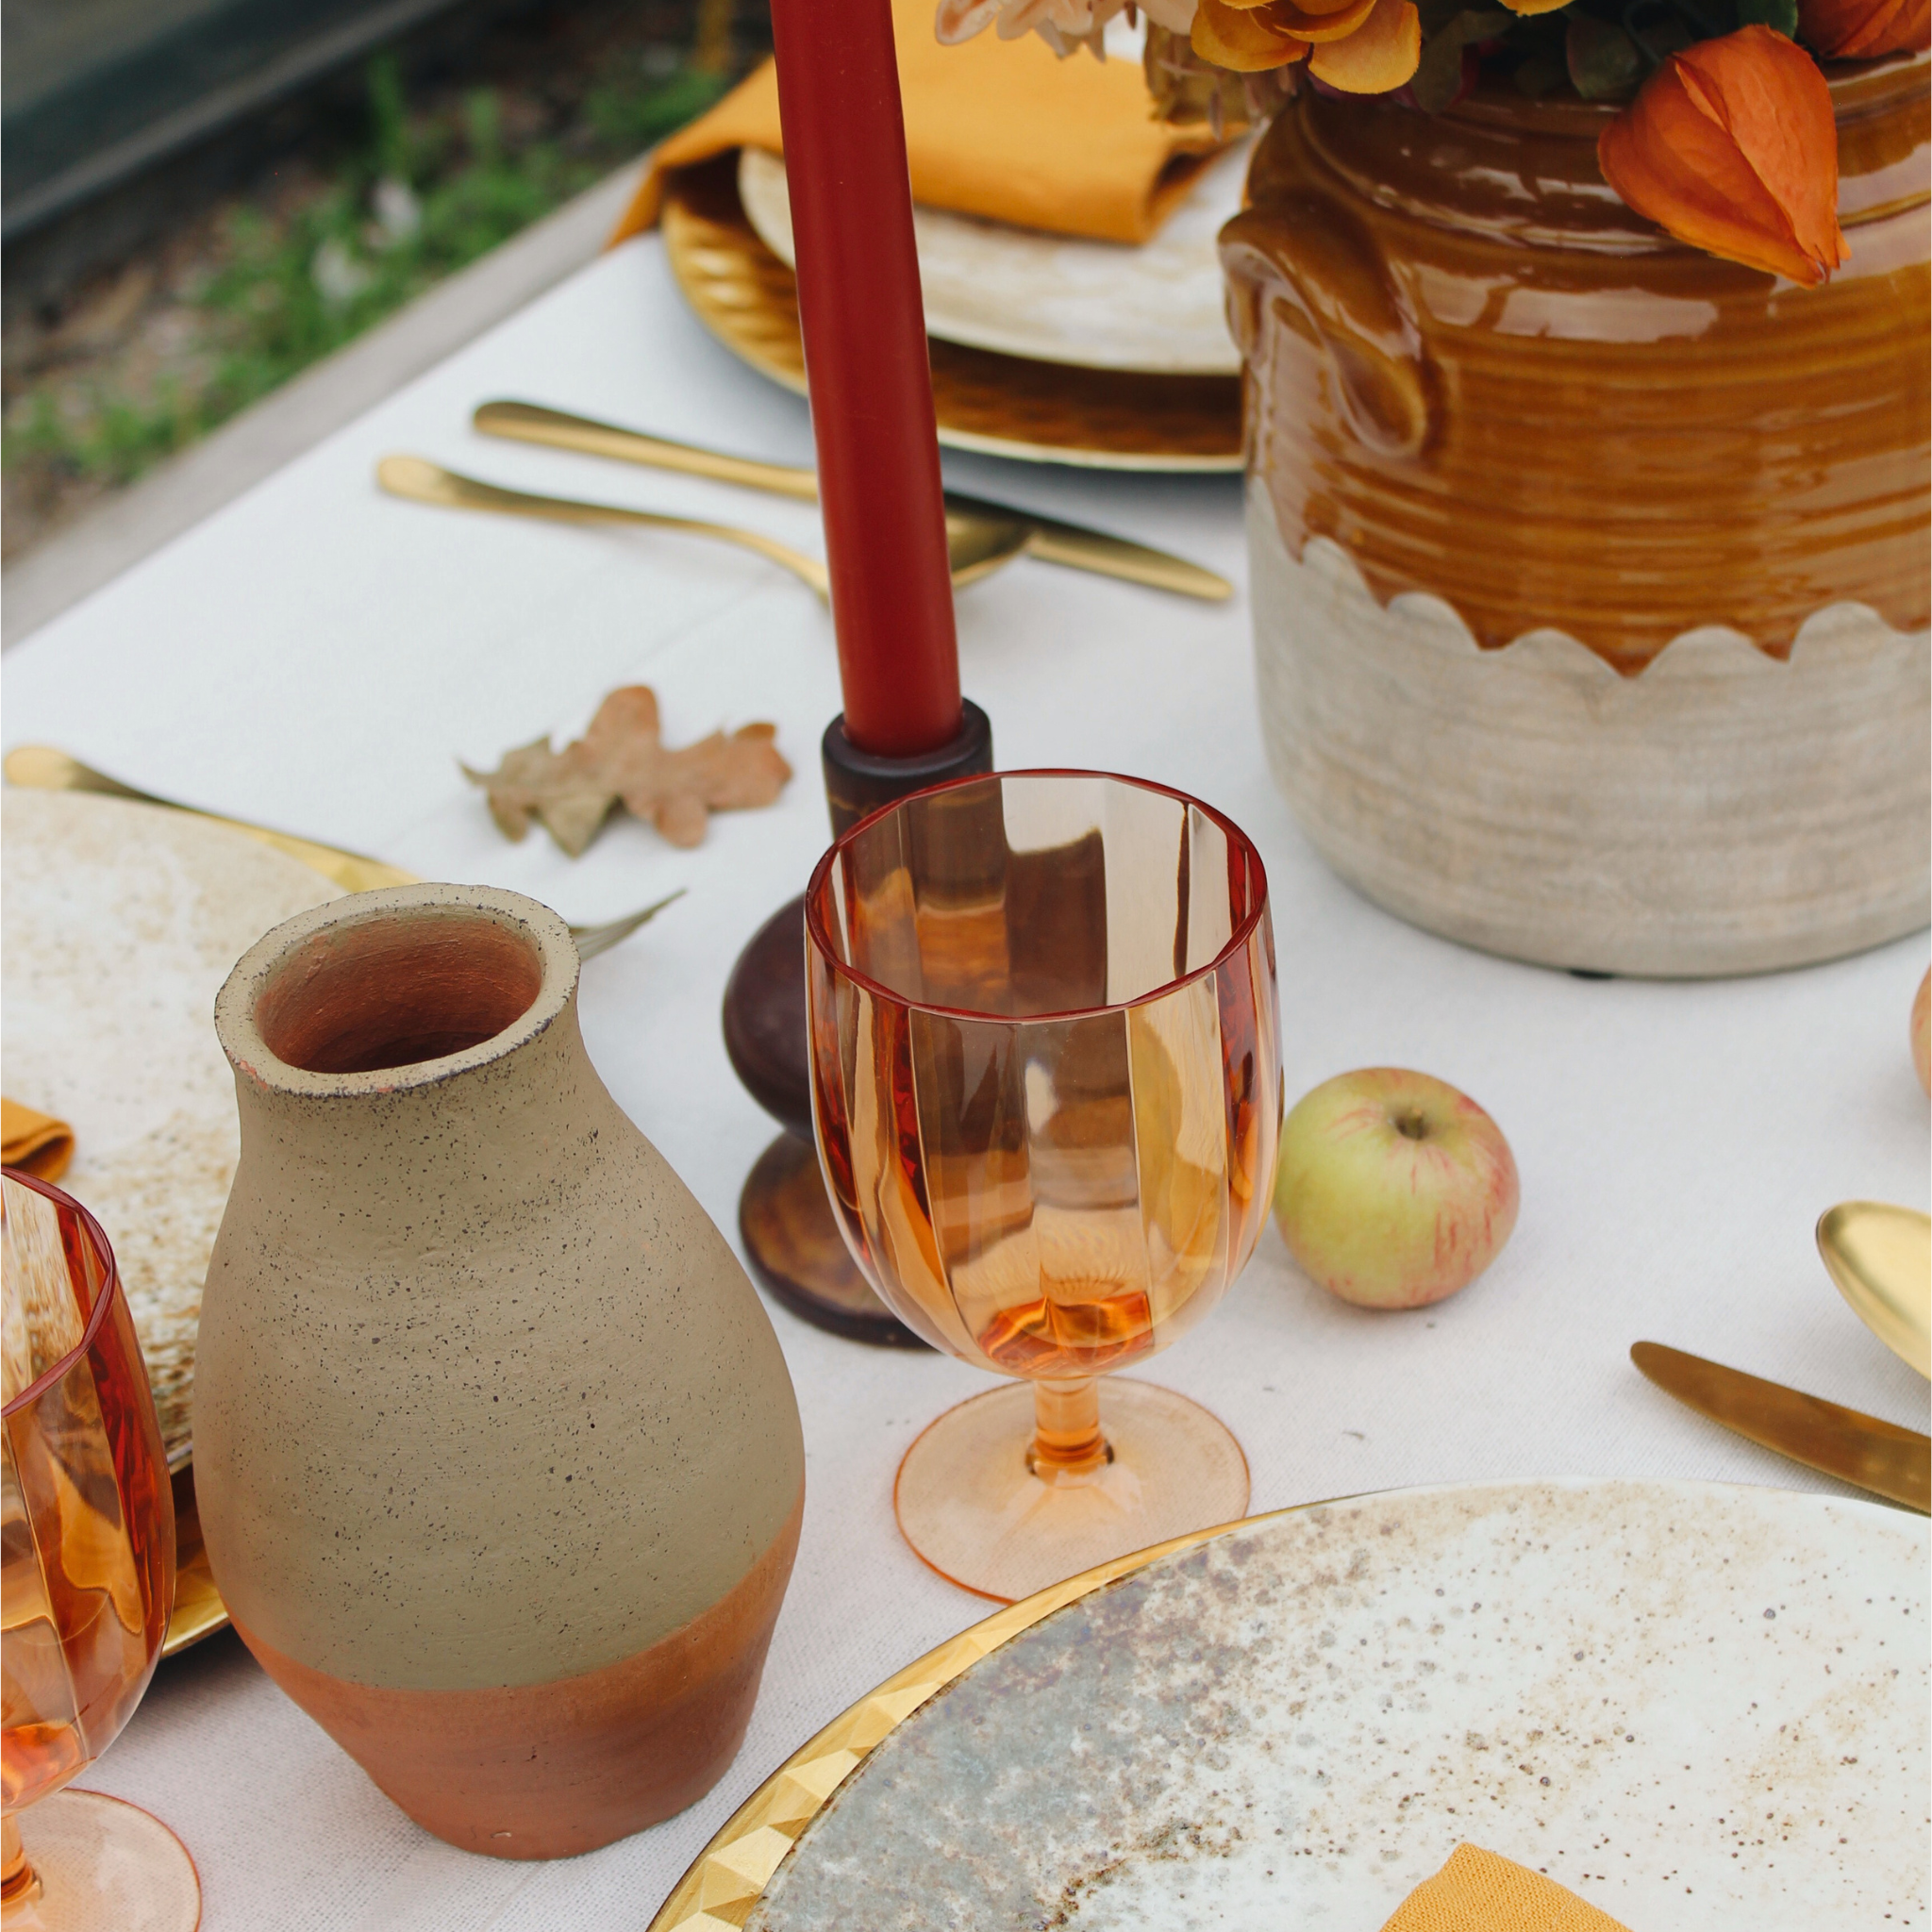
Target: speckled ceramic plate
{"x": 1095, "y": 304}
{"x": 1694, "y": 1705}
{"x": 120, "y": 923}
{"x": 1004, "y": 405}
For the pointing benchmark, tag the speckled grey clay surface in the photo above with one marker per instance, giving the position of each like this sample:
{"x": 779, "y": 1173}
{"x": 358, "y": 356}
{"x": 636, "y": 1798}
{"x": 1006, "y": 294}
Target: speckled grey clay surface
{"x": 1694, "y": 1705}
{"x": 483, "y": 1397}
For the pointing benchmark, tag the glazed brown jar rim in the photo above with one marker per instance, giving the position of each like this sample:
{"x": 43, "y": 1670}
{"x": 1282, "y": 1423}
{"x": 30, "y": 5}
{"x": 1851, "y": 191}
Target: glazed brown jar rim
{"x": 529, "y": 979}
{"x": 1857, "y": 86}
{"x": 1538, "y": 159}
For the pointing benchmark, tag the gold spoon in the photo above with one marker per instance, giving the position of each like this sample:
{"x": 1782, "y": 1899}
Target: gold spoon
{"x": 1881, "y": 1259}
{"x": 43, "y": 768}
{"x": 426, "y": 482}
{"x": 979, "y": 533}
{"x": 988, "y": 543}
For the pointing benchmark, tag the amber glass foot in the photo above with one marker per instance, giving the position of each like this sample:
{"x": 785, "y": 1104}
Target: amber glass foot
{"x": 96, "y": 1864}
{"x": 797, "y": 1251}
{"x": 1016, "y": 1489}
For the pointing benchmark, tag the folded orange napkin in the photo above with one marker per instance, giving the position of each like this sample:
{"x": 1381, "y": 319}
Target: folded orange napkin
{"x": 36, "y": 1142}
{"x": 1001, "y": 128}
{"x": 1477, "y": 1892}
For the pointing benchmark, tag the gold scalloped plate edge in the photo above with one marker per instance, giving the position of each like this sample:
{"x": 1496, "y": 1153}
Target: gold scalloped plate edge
{"x": 994, "y": 404}
{"x": 730, "y": 1875}
{"x": 199, "y": 1611}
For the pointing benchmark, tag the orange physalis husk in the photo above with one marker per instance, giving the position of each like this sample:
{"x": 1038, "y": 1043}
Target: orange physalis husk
{"x": 1860, "y": 30}
{"x": 1732, "y": 147}
{"x": 1381, "y": 53}
{"x": 1241, "y": 40}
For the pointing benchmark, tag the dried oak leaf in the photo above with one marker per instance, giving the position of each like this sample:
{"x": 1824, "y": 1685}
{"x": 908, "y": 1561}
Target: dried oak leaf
{"x": 623, "y": 756}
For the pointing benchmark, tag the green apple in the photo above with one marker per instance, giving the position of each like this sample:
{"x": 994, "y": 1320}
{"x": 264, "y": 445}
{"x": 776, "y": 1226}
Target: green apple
{"x": 1393, "y": 1190}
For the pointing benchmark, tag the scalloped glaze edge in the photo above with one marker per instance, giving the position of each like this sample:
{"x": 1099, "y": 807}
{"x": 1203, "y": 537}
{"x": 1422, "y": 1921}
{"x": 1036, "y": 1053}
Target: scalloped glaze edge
{"x": 1723, "y": 812}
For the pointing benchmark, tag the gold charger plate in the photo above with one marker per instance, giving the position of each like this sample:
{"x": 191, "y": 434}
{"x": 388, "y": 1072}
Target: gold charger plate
{"x": 199, "y": 1610}
{"x": 1297, "y": 1717}
{"x": 1003, "y": 406}
{"x": 121, "y": 919}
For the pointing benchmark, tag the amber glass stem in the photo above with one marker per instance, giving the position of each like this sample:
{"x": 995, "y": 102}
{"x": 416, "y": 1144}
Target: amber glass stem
{"x": 1067, "y": 1443}
{"x": 17, "y": 1880}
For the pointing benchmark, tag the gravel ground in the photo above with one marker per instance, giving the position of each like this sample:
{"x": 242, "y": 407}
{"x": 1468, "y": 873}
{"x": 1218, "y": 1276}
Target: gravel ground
{"x": 438, "y": 154}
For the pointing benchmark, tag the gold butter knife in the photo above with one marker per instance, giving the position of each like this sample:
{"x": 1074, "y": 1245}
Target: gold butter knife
{"x": 1890, "y": 1461}
{"x": 44, "y": 768}
{"x": 1047, "y": 537}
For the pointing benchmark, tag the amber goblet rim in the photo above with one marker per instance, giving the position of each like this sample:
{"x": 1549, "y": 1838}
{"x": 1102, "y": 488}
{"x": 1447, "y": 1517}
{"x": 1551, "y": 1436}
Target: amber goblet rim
{"x": 1244, "y": 930}
{"x": 104, "y": 1302}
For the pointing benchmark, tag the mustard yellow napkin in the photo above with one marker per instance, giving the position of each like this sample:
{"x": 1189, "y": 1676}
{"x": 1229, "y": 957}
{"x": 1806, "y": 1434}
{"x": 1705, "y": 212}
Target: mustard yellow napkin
{"x": 1000, "y": 129}
{"x": 1477, "y": 1892}
{"x": 36, "y": 1142}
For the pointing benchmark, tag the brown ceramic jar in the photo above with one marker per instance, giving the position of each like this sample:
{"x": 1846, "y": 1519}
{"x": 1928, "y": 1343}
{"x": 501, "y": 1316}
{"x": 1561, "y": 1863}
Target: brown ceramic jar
{"x": 1590, "y": 573}
{"x": 498, "y": 1463}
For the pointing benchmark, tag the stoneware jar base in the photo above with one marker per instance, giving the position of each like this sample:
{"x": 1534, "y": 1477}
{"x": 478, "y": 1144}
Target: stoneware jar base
{"x": 1692, "y": 821}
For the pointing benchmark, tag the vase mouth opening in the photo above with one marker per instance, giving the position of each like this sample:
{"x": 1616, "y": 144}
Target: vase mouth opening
{"x": 358, "y": 993}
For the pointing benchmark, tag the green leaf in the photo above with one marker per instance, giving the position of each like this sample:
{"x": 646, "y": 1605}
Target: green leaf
{"x": 1781, "y": 14}
{"x": 1657, "y": 28}
{"x": 1438, "y": 76}
{"x": 1604, "y": 61}
{"x": 1542, "y": 73}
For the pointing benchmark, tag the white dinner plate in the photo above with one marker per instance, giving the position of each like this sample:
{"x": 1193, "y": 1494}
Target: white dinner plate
{"x": 1100, "y": 304}
{"x": 118, "y": 924}
{"x": 1695, "y": 1706}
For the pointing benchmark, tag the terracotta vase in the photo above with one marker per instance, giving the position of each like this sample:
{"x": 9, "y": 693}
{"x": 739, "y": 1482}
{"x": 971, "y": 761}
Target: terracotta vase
{"x": 1590, "y": 572}
{"x": 498, "y": 1463}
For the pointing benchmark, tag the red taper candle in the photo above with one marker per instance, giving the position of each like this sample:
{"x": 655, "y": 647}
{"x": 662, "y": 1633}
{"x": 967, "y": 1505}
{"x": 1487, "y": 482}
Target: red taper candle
{"x": 866, "y": 367}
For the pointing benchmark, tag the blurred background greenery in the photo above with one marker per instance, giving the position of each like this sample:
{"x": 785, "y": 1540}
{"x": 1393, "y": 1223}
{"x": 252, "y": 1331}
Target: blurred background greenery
{"x": 144, "y": 313}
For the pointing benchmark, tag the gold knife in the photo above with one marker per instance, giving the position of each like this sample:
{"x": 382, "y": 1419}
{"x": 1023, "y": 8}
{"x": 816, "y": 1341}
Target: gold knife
{"x": 1049, "y": 539}
{"x": 42, "y": 768}
{"x": 1890, "y": 1461}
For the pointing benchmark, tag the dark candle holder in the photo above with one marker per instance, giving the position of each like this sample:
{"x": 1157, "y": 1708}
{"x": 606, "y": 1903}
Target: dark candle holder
{"x": 790, "y": 1239}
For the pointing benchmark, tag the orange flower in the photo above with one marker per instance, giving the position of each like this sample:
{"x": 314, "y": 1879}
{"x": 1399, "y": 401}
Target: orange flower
{"x": 1732, "y": 147}
{"x": 1360, "y": 46}
{"x": 1857, "y": 29}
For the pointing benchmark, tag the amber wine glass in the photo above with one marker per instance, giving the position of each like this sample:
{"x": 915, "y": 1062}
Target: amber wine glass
{"x": 1047, "y": 1086}
{"x": 87, "y": 1577}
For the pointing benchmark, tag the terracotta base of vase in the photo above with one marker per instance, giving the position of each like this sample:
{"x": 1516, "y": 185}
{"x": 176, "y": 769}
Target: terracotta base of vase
{"x": 546, "y": 1770}
{"x": 794, "y": 1248}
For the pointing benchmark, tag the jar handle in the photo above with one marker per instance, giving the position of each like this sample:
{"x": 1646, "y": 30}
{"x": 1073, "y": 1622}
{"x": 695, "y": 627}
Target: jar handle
{"x": 1318, "y": 263}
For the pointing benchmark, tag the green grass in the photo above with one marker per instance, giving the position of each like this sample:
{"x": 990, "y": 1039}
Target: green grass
{"x": 290, "y": 292}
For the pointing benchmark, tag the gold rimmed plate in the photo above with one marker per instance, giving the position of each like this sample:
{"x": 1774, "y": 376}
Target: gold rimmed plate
{"x": 1294, "y": 1719}
{"x": 120, "y": 919}
{"x": 999, "y": 405}
{"x": 199, "y": 1610}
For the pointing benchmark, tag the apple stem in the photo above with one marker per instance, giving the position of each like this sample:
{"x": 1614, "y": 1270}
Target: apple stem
{"x": 1411, "y": 1125}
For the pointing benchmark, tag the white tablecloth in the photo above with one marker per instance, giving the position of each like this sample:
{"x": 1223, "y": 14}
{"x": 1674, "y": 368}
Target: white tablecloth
{"x": 319, "y": 656}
